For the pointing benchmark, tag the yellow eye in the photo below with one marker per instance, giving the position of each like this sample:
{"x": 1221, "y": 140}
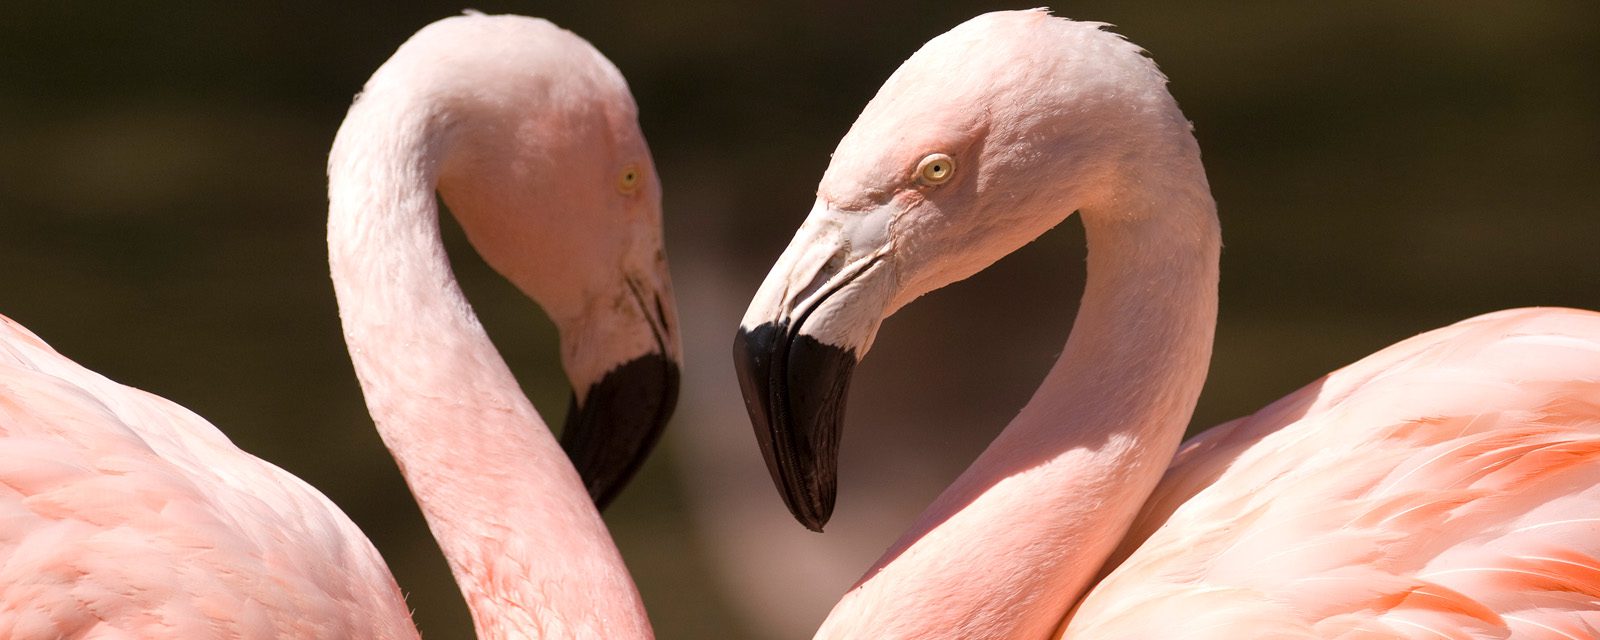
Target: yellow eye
{"x": 936, "y": 169}
{"x": 628, "y": 181}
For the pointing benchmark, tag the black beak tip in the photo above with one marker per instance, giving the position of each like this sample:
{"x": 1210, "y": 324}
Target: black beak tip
{"x": 794, "y": 389}
{"x": 609, "y": 436}
{"x": 815, "y": 517}
{"x": 753, "y": 353}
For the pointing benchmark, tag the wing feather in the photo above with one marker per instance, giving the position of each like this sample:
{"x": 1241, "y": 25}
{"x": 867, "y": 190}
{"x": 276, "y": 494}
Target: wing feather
{"x": 123, "y": 515}
{"x": 1445, "y": 487}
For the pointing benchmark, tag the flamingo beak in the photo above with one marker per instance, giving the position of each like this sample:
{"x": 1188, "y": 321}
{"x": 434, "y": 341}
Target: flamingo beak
{"x": 794, "y": 388}
{"x": 614, "y": 425}
{"x": 810, "y": 323}
{"x": 609, "y": 435}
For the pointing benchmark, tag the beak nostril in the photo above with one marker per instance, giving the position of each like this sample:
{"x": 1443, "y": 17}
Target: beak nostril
{"x": 661, "y": 315}
{"x": 794, "y": 388}
{"x": 610, "y": 433}
{"x": 658, "y": 324}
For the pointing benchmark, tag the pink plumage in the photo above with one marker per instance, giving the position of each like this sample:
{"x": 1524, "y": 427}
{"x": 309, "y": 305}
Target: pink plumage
{"x": 1448, "y": 484}
{"x": 1445, "y": 487}
{"x": 124, "y": 515}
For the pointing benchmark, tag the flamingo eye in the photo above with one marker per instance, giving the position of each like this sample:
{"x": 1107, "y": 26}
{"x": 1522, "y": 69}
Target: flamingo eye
{"x": 936, "y": 169}
{"x": 628, "y": 181}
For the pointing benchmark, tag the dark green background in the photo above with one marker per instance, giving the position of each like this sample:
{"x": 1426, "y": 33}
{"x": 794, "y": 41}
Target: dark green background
{"x": 1382, "y": 168}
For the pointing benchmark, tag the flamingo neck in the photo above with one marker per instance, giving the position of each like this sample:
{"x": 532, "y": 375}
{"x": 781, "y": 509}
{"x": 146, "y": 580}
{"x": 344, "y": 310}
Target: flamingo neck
{"x": 528, "y": 550}
{"x": 1019, "y": 536}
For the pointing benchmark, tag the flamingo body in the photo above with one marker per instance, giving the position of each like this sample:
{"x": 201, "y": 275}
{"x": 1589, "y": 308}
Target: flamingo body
{"x": 1447, "y": 486}
{"x": 127, "y": 516}
{"x": 124, "y": 516}
{"x": 1443, "y": 488}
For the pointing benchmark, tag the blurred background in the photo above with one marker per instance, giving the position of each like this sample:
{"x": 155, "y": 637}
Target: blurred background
{"x": 1382, "y": 169}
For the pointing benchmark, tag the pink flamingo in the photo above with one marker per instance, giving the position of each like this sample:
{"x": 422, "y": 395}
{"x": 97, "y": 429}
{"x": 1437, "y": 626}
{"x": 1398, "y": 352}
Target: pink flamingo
{"x": 1445, "y": 487}
{"x": 125, "y": 515}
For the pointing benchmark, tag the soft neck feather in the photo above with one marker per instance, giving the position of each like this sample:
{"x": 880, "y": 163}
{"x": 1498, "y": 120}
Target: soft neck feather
{"x": 1008, "y": 547}
{"x": 528, "y": 550}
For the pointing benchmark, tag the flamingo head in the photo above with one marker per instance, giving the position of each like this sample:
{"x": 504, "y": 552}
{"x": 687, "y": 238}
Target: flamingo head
{"x": 544, "y": 165}
{"x": 988, "y": 136}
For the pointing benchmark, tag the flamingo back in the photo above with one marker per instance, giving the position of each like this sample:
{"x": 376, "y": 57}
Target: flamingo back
{"x": 1445, "y": 487}
{"x": 124, "y": 515}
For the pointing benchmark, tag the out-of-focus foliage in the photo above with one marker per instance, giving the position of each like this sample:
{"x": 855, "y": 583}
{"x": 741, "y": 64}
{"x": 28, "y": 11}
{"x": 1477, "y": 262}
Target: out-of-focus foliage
{"x": 1381, "y": 168}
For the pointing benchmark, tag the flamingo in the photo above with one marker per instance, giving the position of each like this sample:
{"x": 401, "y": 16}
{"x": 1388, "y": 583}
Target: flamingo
{"x": 125, "y": 515}
{"x": 1445, "y": 487}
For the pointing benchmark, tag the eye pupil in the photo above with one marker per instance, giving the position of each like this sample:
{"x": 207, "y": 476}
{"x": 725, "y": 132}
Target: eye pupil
{"x": 935, "y": 169}
{"x": 628, "y": 180}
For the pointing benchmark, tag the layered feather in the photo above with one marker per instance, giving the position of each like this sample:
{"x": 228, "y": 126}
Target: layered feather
{"x": 1445, "y": 487}
{"x": 124, "y": 515}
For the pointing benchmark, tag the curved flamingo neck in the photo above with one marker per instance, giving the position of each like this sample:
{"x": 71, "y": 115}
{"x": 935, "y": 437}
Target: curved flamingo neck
{"x": 1017, "y": 538}
{"x": 528, "y": 550}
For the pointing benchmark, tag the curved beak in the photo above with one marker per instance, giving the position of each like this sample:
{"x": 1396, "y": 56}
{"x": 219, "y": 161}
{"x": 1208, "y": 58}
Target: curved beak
{"x": 811, "y": 321}
{"x": 624, "y": 396}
